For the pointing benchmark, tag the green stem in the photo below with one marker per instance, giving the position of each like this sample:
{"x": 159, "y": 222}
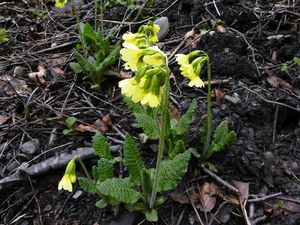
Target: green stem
{"x": 162, "y": 135}
{"x": 83, "y": 167}
{"x": 77, "y": 18}
{"x": 209, "y": 113}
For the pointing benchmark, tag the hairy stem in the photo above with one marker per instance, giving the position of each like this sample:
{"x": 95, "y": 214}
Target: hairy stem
{"x": 77, "y": 18}
{"x": 83, "y": 167}
{"x": 209, "y": 113}
{"x": 162, "y": 135}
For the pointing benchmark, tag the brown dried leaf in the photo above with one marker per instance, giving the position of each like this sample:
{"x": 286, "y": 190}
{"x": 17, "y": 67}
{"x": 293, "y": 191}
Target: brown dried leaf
{"x": 180, "y": 197}
{"x": 174, "y": 113}
{"x": 100, "y": 125}
{"x": 11, "y": 85}
{"x": 57, "y": 59}
{"x": 124, "y": 74}
{"x": 40, "y": 76}
{"x": 292, "y": 207}
{"x": 243, "y": 188}
{"x": 278, "y": 82}
{"x": 207, "y": 198}
{"x": 3, "y": 119}
{"x": 219, "y": 95}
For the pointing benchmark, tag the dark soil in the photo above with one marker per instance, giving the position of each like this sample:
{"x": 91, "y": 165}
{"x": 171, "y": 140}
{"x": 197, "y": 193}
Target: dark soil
{"x": 259, "y": 37}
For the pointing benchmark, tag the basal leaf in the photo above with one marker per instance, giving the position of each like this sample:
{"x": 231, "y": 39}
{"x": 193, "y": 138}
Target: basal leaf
{"x": 222, "y": 137}
{"x": 132, "y": 160}
{"x": 149, "y": 125}
{"x": 182, "y": 125}
{"x": 172, "y": 171}
{"x": 87, "y": 185}
{"x": 119, "y": 189}
{"x": 101, "y": 147}
{"x": 104, "y": 170}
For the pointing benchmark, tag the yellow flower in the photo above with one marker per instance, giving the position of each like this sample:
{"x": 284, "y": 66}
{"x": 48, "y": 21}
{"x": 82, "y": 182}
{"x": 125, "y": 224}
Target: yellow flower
{"x": 137, "y": 39}
{"x": 192, "y": 70}
{"x": 60, "y": 3}
{"x": 151, "y": 31}
{"x": 131, "y": 88}
{"x": 157, "y": 59}
{"x": 151, "y": 99}
{"x": 132, "y": 55}
{"x": 69, "y": 177}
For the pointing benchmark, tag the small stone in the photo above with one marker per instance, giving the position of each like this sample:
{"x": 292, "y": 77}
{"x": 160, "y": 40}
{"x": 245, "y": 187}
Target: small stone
{"x": 30, "y": 147}
{"x": 47, "y": 208}
{"x": 77, "y": 194}
{"x": 268, "y": 156}
{"x": 19, "y": 71}
{"x": 163, "y": 23}
{"x": 294, "y": 166}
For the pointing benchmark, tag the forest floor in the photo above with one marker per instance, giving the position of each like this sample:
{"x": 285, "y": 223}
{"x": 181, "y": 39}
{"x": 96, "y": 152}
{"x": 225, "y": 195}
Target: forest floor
{"x": 256, "y": 86}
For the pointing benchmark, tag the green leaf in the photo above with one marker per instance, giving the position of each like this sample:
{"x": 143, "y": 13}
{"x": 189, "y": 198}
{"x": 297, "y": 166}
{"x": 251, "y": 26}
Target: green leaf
{"x": 67, "y": 131}
{"x": 151, "y": 215}
{"x": 101, "y": 204}
{"x": 132, "y": 160}
{"x": 183, "y": 124}
{"x": 70, "y": 122}
{"x": 101, "y": 147}
{"x": 87, "y": 67}
{"x": 111, "y": 58}
{"x": 178, "y": 148}
{"x": 3, "y": 35}
{"x": 87, "y": 185}
{"x": 104, "y": 170}
{"x": 146, "y": 182}
{"x": 75, "y": 67}
{"x": 149, "y": 125}
{"x": 120, "y": 190}
{"x": 172, "y": 171}
{"x": 296, "y": 60}
{"x": 135, "y": 108}
{"x": 222, "y": 137}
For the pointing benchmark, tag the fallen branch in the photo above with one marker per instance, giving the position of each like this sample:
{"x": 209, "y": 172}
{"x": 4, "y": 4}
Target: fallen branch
{"x": 48, "y": 165}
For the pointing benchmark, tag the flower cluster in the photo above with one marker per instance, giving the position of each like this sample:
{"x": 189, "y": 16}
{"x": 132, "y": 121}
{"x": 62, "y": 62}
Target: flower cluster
{"x": 192, "y": 70}
{"x": 60, "y": 3}
{"x": 69, "y": 177}
{"x": 149, "y": 63}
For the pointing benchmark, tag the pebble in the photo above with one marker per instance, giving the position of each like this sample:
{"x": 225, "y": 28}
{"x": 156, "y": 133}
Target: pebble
{"x": 77, "y": 194}
{"x": 163, "y": 23}
{"x": 47, "y": 208}
{"x": 19, "y": 71}
{"x": 30, "y": 147}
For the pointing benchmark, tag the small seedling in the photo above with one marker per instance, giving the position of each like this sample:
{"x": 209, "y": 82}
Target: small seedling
{"x": 70, "y": 123}
{"x": 3, "y": 36}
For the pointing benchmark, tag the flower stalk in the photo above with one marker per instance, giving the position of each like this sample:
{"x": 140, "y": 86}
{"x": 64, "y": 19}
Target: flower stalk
{"x": 162, "y": 136}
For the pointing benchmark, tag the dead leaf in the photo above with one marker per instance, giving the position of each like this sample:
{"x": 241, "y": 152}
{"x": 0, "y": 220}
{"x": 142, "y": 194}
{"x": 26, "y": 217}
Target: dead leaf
{"x": 180, "y": 197}
{"x": 174, "y": 113}
{"x": 292, "y": 206}
{"x": 221, "y": 29}
{"x": 278, "y": 82}
{"x": 40, "y": 76}
{"x": 100, "y": 125}
{"x": 124, "y": 74}
{"x": 244, "y": 190}
{"x": 207, "y": 198}
{"x": 3, "y": 119}
{"x": 11, "y": 85}
{"x": 57, "y": 59}
{"x": 219, "y": 95}
{"x": 56, "y": 71}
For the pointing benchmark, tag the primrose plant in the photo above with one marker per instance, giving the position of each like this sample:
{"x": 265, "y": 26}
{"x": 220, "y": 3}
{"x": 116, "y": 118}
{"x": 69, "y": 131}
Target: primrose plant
{"x": 147, "y": 94}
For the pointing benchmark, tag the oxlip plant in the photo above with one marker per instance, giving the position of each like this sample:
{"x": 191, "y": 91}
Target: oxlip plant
{"x": 148, "y": 93}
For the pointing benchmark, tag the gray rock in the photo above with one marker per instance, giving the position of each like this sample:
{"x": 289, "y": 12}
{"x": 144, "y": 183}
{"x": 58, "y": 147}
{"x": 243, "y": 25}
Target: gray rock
{"x": 19, "y": 71}
{"x": 163, "y": 23}
{"x": 30, "y": 147}
{"x": 77, "y": 194}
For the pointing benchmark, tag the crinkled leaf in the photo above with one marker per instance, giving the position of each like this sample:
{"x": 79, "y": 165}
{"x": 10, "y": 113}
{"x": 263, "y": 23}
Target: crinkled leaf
{"x": 149, "y": 125}
{"x": 101, "y": 204}
{"x": 132, "y": 160}
{"x": 75, "y": 67}
{"x": 182, "y": 125}
{"x": 87, "y": 185}
{"x": 101, "y": 147}
{"x": 172, "y": 171}
{"x": 104, "y": 170}
{"x": 151, "y": 215}
{"x": 119, "y": 189}
{"x": 222, "y": 137}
